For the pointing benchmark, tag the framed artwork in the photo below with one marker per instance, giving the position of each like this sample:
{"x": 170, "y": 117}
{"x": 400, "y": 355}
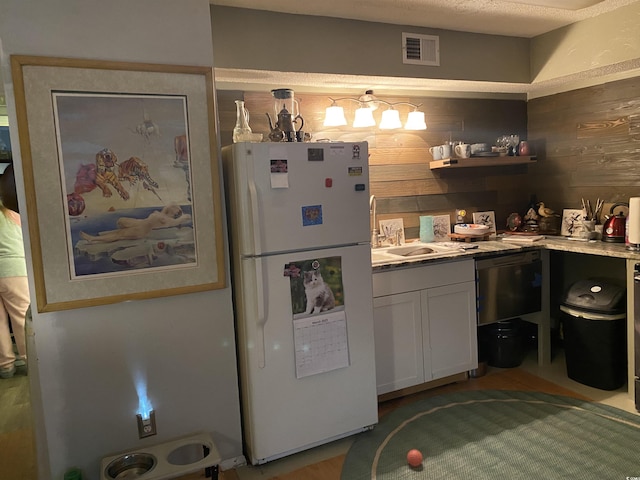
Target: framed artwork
{"x": 388, "y": 228}
{"x": 441, "y": 228}
{"x": 571, "y": 222}
{"x": 121, "y": 179}
{"x": 486, "y": 218}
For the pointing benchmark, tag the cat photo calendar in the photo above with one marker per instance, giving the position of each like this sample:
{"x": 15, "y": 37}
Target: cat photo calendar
{"x": 319, "y": 319}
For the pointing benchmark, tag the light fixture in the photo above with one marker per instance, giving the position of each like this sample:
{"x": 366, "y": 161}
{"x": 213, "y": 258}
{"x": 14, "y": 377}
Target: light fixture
{"x": 390, "y": 119}
{"x": 415, "y": 121}
{"x": 334, "y": 114}
{"x": 363, "y": 118}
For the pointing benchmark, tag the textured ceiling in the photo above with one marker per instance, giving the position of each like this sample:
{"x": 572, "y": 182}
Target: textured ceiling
{"x": 499, "y": 17}
{"x": 520, "y": 18}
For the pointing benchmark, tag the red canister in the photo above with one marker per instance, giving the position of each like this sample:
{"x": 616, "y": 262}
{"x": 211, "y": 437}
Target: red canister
{"x": 523, "y": 148}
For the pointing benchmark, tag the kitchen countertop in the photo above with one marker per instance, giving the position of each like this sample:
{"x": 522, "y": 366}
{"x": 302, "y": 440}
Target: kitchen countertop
{"x": 501, "y": 245}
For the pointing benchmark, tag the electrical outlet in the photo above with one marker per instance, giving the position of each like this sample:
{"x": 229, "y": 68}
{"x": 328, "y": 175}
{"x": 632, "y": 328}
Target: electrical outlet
{"x": 147, "y": 426}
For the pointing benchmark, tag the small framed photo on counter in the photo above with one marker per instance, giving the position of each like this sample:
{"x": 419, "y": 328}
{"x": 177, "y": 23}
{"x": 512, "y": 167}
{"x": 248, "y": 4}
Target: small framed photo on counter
{"x": 571, "y": 222}
{"x": 486, "y": 218}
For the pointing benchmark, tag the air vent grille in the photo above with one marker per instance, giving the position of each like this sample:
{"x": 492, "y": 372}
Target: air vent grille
{"x": 420, "y": 49}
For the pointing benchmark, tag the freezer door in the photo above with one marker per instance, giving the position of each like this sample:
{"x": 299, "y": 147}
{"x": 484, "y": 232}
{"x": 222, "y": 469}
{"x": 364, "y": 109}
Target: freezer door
{"x": 295, "y": 196}
{"x": 299, "y": 388}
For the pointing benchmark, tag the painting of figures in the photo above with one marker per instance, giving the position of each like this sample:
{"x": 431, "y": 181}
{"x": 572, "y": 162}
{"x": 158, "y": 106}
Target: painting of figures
{"x": 125, "y": 173}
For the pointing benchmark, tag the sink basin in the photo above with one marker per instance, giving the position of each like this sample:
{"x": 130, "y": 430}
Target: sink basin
{"x": 413, "y": 251}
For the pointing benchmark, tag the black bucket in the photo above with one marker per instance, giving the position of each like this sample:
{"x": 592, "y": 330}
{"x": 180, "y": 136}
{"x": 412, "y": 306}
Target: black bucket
{"x": 506, "y": 344}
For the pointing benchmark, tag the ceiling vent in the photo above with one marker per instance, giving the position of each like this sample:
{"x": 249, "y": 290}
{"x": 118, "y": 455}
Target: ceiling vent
{"x": 420, "y": 49}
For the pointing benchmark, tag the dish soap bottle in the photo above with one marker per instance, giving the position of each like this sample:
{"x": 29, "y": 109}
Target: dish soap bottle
{"x": 242, "y": 130}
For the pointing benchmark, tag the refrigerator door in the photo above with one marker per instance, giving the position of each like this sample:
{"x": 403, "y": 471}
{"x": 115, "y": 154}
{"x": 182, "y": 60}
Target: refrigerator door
{"x": 306, "y": 379}
{"x": 296, "y": 196}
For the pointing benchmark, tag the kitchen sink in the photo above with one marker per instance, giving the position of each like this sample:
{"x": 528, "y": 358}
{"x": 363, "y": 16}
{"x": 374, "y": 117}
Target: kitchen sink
{"x": 412, "y": 251}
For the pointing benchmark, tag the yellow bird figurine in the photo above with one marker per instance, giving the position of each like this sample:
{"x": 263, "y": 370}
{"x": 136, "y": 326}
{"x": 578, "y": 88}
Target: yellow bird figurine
{"x": 544, "y": 211}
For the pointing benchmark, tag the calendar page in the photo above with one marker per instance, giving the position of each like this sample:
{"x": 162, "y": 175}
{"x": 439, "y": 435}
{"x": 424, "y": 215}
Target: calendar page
{"x": 321, "y": 343}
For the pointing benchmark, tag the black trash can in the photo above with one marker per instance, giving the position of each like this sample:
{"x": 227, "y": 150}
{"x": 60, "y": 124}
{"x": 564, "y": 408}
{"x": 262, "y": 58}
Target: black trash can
{"x": 595, "y": 335}
{"x": 506, "y": 344}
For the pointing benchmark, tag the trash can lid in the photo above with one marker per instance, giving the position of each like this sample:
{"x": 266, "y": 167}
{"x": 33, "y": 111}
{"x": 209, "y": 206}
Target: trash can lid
{"x": 596, "y": 296}
{"x": 591, "y": 314}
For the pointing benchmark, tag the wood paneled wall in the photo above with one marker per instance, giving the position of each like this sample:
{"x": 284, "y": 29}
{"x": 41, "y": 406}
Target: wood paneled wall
{"x": 590, "y": 139}
{"x": 587, "y": 142}
{"x": 400, "y": 177}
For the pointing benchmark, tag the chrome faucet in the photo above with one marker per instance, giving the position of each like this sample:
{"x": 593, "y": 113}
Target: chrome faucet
{"x": 375, "y": 239}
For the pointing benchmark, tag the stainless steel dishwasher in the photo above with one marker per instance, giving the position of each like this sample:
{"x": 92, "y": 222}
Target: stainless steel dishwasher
{"x": 508, "y": 286}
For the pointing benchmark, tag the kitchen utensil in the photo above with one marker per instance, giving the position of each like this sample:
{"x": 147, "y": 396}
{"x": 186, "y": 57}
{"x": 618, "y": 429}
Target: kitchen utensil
{"x": 446, "y": 150}
{"x": 514, "y": 141}
{"x": 480, "y": 148}
{"x": 463, "y": 150}
{"x": 242, "y": 130}
{"x": 614, "y": 229}
{"x": 287, "y": 113}
{"x": 471, "y": 229}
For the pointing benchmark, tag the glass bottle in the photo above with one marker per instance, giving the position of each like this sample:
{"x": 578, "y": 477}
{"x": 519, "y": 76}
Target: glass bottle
{"x": 242, "y": 130}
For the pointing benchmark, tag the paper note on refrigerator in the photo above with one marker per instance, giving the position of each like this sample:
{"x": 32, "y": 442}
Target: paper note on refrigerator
{"x": 321, "y": 343}
{"x": 279, "y": 173}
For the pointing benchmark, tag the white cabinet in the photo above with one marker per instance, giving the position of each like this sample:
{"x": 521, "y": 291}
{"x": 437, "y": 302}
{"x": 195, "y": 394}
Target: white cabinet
{"x": 452, "y": 334}
{"x": 424, "y": 323}
{"x": 398, "y": 341}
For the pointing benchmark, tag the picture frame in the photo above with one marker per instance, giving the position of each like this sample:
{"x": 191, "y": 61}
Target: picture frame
{"x": 572, "y": 225}
{"x": 389, "y": 228}
{"x": 487, "y": 218}
{"x": 121, "y": 177}
{"x": 441, "y": 228}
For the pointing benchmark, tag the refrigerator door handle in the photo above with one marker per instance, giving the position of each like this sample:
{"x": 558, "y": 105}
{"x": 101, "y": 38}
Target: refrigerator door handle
{"x": 253, "y": 199}
{"x": 262, "y": 312}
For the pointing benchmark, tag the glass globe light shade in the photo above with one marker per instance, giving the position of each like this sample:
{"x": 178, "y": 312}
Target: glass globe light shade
{"x": 415, "y": 121}
{"x": 334, "y": 116}
{"x": 390, "y": 120}
{"x": 364, "y": 118}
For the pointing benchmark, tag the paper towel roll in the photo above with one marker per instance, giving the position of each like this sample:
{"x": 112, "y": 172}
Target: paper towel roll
{"x": 633, "y": 226}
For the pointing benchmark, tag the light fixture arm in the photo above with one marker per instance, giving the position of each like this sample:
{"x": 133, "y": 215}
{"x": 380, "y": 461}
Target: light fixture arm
{"x": 414, "y": 106}
{"x": 357, "y": 100}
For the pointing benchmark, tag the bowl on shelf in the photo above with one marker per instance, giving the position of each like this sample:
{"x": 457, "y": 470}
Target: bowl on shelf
{"x": 477, "y": 148}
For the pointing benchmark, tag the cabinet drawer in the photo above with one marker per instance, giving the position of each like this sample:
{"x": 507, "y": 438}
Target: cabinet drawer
{"x": 422, "y": 277}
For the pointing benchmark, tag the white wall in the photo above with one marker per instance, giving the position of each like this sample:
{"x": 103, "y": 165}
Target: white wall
{"x": 86, "y": 358}
{"x": 262, "y": 40}
{"x": 607, "y": 44}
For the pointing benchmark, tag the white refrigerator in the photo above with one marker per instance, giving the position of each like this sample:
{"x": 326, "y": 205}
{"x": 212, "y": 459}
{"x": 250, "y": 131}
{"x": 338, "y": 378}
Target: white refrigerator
{"x": 300, "y": 245}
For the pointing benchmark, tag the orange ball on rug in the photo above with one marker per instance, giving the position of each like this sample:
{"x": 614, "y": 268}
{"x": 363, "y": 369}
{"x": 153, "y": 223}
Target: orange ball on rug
{"x": 414, "y": 458}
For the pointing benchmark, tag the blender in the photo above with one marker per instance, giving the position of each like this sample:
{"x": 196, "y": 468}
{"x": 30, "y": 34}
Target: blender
{"x": 287, "y": 114}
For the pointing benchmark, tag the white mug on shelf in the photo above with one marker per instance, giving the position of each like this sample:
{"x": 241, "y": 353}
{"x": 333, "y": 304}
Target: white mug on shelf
{"x": 445, "y": 150}
{"x": 463, "y": 150}
{"x": 436, "y": 152}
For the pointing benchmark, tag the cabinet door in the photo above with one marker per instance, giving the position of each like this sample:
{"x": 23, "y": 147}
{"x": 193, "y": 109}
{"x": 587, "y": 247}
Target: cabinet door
{"x": 398, "y": 341}
{"x": 449, "y": 329}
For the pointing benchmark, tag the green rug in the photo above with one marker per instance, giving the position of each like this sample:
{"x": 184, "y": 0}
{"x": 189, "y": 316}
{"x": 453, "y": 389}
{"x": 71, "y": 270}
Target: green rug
{"x": 496, "y": 434}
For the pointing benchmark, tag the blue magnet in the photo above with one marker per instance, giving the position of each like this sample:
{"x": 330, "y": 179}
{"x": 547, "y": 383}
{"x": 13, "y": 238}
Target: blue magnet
{"x": 312, "y": 215}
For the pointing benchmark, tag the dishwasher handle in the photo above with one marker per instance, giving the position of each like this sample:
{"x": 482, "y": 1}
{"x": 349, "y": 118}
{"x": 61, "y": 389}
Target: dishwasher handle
{"x": 509, "y": 259}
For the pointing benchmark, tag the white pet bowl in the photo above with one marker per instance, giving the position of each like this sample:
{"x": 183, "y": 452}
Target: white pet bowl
{"x": 172, "y": 459}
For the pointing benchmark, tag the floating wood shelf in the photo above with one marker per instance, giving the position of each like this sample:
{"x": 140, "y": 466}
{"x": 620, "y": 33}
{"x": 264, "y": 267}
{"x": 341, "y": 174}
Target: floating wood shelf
{"x": 481, "y": 162}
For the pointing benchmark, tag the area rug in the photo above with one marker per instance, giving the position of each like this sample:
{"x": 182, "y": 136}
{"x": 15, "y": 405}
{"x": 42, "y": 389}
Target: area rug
{"x": 495, "y": 434}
